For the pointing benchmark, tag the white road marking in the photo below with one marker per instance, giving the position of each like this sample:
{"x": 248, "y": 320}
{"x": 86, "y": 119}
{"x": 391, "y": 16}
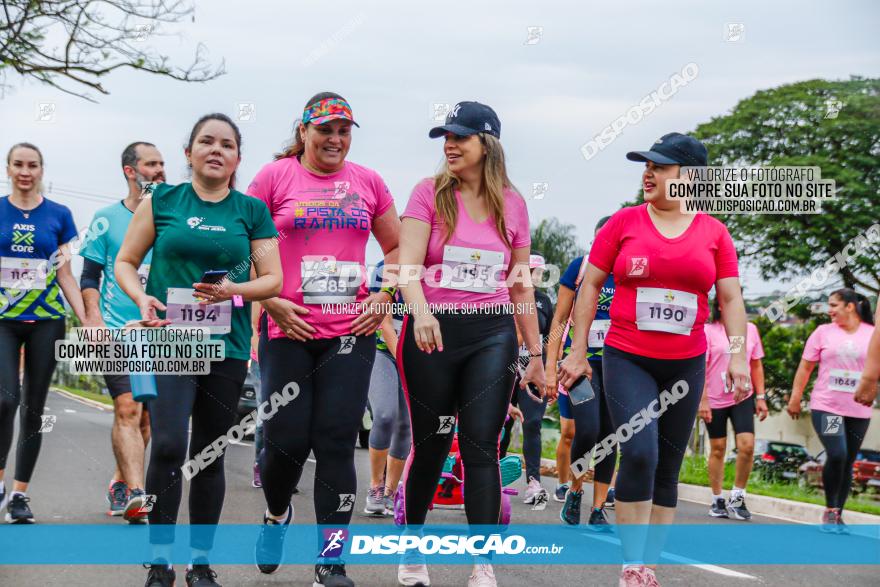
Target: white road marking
{"x": 682, "y": 560}
{"x": 69, "y": 411}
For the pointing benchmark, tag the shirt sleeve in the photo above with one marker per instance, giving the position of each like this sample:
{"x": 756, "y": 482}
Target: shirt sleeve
{"x": 758, "y": 349}
{"x": 522, "y": 236}
{"x": 606, "y": 245}
{"x": 67, "y": 230}
{"x": 384, "y": 199}
{"x": 95, "y": 248}
{"x": 421, "y": 202}
{"x": 725, "y": 257}
{"x": 261, "y": 186}
{"x": 262, "y": 226}
{"x": 569, "y": 278}
{"x": 813, "y": 348}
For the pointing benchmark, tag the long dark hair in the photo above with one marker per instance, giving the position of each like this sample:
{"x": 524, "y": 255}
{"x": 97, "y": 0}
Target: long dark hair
{"x": 296, "y": 146}
{"x": 863, "y": 306}
{"x": 222, "y": 118}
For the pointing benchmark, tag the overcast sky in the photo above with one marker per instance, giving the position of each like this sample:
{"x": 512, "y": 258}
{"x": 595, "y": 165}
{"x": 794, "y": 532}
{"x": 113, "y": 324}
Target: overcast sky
{"x": 588, "y": 65}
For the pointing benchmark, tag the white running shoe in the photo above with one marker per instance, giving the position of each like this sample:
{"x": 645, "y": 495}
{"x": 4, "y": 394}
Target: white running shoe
{"x": 533, "y": 489}
{"x": 415, "y": 575}
{"x": 483, "y": 576}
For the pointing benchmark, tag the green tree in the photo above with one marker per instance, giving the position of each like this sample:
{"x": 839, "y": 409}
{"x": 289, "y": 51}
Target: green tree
{"x": 834, "y": 125}
{"x": 557, "y": 242}
{"x": 72, "y": 44}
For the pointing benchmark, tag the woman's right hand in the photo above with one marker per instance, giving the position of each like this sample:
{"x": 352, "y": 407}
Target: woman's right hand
{"x": 286, "y": 315}
{"x": 551, "y": 381}
{"x": 148, "y": 306}
{"x": 705, "y": 411}
{"x": 426, "y": 329}
{"x": 794, "y": 407}
{"x": 572, "y": 369}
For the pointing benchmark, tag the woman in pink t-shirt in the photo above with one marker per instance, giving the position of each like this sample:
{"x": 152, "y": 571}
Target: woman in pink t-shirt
{"x": 664, "y": 263}
{"x": 840, "y": 349}
{"x": 718, "y": 406}
{"x": 467, "y": 229}
{"x": 319, "y": 333}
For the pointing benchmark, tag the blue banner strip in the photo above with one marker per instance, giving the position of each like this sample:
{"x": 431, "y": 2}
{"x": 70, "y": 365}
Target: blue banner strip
{"x": 729, "y": 544}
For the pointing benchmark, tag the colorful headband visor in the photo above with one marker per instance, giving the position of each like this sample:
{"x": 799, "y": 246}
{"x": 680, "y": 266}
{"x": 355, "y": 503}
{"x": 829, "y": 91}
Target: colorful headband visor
{"x": 326, "y": 110}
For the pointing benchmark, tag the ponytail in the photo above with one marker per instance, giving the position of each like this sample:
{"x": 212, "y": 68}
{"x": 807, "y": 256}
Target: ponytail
{"x": 863, "y": 305}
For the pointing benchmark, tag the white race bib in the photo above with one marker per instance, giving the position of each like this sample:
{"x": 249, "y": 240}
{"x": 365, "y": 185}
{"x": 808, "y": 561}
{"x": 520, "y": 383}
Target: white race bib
{"x": 473, "y": 270}
{"x": 665, "y": 310}
{"x": 598, "y": 330}
{"x": 328, "y": 281}
{"x": 183, "y": 309}
{"x": 843, "y": 380}
{"x": 144, "y": 274}
{"x": 18, "y": 273}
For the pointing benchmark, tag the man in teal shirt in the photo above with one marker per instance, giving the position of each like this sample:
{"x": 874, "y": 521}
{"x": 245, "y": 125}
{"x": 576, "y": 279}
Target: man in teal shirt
{"x": 112, "y": 308}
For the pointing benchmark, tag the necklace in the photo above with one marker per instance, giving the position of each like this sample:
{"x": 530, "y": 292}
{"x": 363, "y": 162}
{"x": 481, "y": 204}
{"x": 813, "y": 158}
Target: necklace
{"x": 25, "y": 213}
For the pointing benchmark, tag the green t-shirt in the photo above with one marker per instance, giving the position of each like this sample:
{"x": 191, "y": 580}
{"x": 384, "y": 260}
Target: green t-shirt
{"x": 194, "y": 236}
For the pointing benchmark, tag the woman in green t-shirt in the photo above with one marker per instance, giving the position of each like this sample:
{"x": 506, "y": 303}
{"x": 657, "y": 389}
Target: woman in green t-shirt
{"x": 193, "y": 228}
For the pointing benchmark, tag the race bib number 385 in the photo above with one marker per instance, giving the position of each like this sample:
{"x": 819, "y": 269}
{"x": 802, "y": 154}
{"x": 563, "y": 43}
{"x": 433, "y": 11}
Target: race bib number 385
{"x": 185, "y": 310}
{"x": 665, "y": 310}
{"x": 328, "y": 281}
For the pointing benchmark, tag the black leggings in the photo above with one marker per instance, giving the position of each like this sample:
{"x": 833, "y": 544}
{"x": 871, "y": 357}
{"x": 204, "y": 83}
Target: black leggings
{"x": 592, "y": 423}
{"x": 212, "y": 401}
{"x": 333, "y": 375}
{"x": 472, "y": 378}
{"x": 650, "y": 459}
{"x": 842, "y": 437}
{"x": 38, "y": 339}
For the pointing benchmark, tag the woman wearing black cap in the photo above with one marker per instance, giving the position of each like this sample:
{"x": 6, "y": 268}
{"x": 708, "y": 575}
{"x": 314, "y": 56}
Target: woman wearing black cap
{"x": 469, "y": 227}
{"x": 665, "y": 263}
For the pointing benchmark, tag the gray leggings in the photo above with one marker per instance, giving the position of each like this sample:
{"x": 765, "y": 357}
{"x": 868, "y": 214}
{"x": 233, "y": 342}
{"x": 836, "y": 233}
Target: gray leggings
{"x": 391, "y": 427}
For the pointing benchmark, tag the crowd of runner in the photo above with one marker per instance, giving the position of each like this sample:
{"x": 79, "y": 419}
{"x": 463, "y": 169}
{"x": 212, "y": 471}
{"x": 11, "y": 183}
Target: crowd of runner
{"x": 477, "y": 344}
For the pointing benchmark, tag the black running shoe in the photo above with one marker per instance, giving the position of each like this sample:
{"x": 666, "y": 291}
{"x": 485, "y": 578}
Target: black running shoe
{"x": 718, "y": 509}
{"x": 737, "y": 508}
{"x": 160, "y": 576}
{"x": 609, "y": 499}
{"x": 331, "y": 576}
{"x": 571, "y": 510}
{"x": 598, "y": 521}
{"x": 18, "y": 511}
{"x": 201, "y": 576}
{"x": 270, "y": 543}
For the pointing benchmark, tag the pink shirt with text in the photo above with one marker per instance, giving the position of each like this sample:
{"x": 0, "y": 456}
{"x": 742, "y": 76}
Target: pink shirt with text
{"x": 469, "y": 251}
{"x": 662, "y": 284}
{"x": 841, "y": 358}
{"x": 718, "y": 360}
{"x": 324, "y": 222}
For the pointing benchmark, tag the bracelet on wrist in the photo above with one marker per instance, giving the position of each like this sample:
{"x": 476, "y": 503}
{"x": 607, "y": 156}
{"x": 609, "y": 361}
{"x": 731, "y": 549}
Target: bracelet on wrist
{"x": 391, "y": 291}
{"x": 761, "y": 396}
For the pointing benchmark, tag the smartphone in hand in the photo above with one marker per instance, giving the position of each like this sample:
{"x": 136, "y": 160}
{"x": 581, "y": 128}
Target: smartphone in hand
{"x": 214, "y": 276}
{"x": 581, "y": 391}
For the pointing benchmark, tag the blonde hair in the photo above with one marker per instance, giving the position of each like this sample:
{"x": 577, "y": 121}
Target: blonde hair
{"x": 494, "y": 182}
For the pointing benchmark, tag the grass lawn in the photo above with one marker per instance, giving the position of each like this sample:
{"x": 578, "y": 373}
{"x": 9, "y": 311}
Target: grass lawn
{"x": 104, "y": 399}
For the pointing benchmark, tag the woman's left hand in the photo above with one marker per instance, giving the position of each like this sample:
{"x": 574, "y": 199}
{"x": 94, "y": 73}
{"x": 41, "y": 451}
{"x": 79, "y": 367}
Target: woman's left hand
{"x": 376, "y": 307}
{"x": 214, "y": 293}
{"x": 534, "y": 374}
{"x": 738, "y": 374}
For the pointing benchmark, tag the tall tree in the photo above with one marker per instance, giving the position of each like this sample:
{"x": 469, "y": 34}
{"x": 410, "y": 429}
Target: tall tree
{"x": 834, "y": 125}
{"x": 72, "y": 44}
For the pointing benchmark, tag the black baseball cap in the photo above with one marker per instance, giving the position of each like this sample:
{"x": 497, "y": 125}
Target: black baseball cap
{"x": 674, "y": 149}
{"x": 469, "y": 118}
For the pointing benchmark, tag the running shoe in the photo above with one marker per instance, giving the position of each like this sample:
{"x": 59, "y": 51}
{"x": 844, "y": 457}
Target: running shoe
{"x": 632, "y": 576}
{"x": 841, "y": 527}
{"x": 331, "y": 576}
{"x": 571, "y": 511}
{"x": 532, "y": 491}
{"x": 829, "y": 522}
{"x": 18, "y": 511}
{"x": 736, "y": 506}
{"x": 718, "y": 509}
{"x": 257, "y": 482}
{"x": 117, "y": 496}
{"x": 559, "y": 494}
{"x": 375, "y": 501}
{"x": 412, "y": 571}
{"x": 134, "y": 507}
{"x": 482, "y": 576}
{"x": 598, "y": 522}
{"x": 159, "y": 576}
{"x": 389, "y": 503}
{"x": 2, "y": 495}
{"x": 270, "y": 543}
{"x": 201, "y": 576}
{"x": 650, "y": 578}
{"x": 609, "y": 499}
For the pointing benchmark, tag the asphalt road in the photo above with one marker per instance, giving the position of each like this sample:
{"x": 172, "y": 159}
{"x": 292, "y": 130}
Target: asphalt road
{"x": 76, "y": 463}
